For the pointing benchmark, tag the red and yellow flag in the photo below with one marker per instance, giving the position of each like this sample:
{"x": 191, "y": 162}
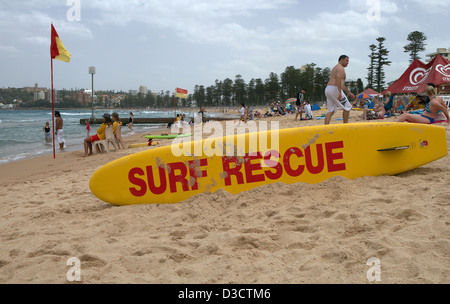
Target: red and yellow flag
{"x": 57, "y": 49}
{"x": 181, "y": 93}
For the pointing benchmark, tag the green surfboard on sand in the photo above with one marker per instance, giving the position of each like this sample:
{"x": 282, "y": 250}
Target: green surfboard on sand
{"x": 166, "y": 136}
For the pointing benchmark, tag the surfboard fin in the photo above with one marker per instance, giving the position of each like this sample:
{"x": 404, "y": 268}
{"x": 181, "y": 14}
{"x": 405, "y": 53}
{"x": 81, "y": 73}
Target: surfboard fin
{"x": 395, "y": 149}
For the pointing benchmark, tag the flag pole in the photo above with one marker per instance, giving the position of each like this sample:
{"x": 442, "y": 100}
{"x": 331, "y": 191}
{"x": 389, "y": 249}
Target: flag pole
{"x": 53, "y": 114}
{"x": 175, "y": 100}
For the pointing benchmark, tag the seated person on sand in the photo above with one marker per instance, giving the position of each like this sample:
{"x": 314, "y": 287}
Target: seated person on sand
{"x": 389, "y": 103}
{"x": 378, "y": 111}
{"x": 399, "y": 105}
{"x": 276, "y": 112}
{"x": 431, "y": 110}
{"x": 280, "y": 109}
{"x": 307, "y": 110}
{"x": 99, "y": 136}
{"x": 267, "y": 114}
{"x": 272, "y": 108}
{"x": 258, "y": 114}
{"x": 365, "y": 104}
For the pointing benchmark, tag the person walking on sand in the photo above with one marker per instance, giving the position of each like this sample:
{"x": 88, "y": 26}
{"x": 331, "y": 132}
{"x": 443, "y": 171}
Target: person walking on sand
{"x": 59, "y": 132}
{"x": 299, "y": 109}
{"x": 334, "y": 91}
{"x": 202, "y": 113}
{"x": 242, "y": 114}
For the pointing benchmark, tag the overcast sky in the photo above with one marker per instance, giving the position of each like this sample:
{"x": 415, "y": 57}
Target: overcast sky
{"x": 164, "y": 44}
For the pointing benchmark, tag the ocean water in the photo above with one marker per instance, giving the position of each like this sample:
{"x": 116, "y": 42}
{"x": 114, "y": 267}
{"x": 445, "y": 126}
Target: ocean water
{"x": 22, "y": 137}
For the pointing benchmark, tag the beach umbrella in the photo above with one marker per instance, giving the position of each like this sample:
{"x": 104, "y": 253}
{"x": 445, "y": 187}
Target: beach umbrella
{"x": 291, "y": 100}
{"x": 363, "y": 96}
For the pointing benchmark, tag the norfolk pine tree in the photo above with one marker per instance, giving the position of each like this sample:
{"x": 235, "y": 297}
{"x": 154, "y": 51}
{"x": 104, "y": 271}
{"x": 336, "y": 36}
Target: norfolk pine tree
{"x": 417, "y": 44}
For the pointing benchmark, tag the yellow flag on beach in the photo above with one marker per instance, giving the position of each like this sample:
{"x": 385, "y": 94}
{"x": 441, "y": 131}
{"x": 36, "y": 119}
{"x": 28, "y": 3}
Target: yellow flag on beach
{"x": 57, "y": 49}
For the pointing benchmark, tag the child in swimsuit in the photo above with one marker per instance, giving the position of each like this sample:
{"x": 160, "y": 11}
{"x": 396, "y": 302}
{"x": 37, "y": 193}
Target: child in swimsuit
{"x": 88, "y": 127}
{"x": 47, "y": 130}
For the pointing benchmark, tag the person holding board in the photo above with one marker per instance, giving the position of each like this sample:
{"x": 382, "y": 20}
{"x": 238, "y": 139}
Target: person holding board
{"x": 334, "y": 92}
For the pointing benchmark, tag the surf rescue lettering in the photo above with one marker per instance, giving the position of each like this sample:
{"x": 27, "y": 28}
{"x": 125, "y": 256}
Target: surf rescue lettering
{"x": 238, "y": 170}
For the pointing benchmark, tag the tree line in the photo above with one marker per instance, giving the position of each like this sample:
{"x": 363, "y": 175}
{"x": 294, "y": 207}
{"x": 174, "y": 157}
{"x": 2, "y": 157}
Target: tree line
{"x": 276, "y": 87}
{"x": 261, "y": 92}
{"x": 379, "y": 58}
{"x": 257, "y": 92}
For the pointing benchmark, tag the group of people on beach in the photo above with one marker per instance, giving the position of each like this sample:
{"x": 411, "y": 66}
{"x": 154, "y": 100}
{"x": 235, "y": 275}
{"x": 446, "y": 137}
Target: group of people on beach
{"x": 335, "y": 91}
{"x": 116, "y": 124}
{"x": 247, "y": 113}
{"x": 376, "y": 108}
{"x": 337, "y": 100}
{"x": 59, "y": 132}
{"x": 89, "y": 140}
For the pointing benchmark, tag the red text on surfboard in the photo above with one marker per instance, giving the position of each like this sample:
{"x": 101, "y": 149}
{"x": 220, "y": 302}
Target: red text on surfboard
{"x": 181, "y": 176}
{"x": 177, "y": 173}
{"x": 290, "y": 164}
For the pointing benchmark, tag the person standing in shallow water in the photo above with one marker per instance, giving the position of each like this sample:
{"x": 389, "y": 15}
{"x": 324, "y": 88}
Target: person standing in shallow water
{"x": 131, "y": 121}
{"x": 334, "y": 91}
{"x": 47, "y": 131}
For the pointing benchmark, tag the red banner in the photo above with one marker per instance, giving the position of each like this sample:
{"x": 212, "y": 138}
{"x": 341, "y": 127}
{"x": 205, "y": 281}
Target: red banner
{"x": 418, "y": 75}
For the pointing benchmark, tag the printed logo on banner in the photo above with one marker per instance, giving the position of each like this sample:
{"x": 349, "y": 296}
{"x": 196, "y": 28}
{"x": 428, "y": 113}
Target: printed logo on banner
{"x": 418, "y": 75}
{"x": 443, "y": 69}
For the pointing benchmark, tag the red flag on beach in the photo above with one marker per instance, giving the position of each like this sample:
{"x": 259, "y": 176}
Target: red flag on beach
{"x": 181, "y": 93}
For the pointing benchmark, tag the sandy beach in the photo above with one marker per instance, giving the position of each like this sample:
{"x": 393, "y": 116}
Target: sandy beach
{"x": 275, "y": 234}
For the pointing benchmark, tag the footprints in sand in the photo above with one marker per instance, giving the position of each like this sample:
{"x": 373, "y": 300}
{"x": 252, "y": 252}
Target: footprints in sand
{"x": 274, "y": 234}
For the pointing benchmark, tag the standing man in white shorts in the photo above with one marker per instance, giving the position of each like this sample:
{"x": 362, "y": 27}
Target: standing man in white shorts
{"x": 59, "y": 132}
{"x": 336, "y": 99}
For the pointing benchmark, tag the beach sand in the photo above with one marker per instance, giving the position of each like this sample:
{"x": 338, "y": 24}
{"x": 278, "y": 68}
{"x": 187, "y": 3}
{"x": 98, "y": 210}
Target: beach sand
{"x": 274, "y": 234}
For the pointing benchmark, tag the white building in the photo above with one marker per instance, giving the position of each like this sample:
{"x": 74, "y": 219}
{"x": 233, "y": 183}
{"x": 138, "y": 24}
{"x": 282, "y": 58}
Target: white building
{"x": 441, "y": 51}
{"x": 143, "y": 90}
{"x": 41, "y": 95}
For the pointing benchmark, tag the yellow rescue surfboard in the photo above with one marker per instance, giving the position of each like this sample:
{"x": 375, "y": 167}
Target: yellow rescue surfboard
{"x": 240, "y": 162}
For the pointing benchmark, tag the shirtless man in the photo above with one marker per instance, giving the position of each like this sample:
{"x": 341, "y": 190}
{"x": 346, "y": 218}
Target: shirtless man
{"x": 336, "y": 98}
{"x": 59, "y": 132}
